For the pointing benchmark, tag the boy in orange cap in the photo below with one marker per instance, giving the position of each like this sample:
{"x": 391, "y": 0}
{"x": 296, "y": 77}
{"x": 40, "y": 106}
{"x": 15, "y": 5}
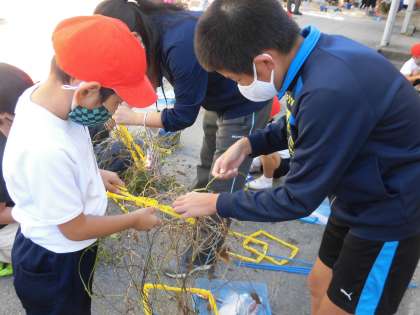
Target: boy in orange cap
{"x": 51, "y": 172}
{"x": 411, "y": 68}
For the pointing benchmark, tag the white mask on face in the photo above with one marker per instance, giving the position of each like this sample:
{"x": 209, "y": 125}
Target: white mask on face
{"x": 259, "y": 91}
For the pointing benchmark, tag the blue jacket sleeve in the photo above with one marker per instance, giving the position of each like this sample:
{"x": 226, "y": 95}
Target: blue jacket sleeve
{"x": 332, "y": 127}
{"x": 190, "y": 87}
{"x": 271, "y": 139}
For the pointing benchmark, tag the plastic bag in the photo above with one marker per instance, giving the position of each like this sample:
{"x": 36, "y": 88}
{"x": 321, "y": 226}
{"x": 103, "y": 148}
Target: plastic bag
{"x": 239, "y": 304}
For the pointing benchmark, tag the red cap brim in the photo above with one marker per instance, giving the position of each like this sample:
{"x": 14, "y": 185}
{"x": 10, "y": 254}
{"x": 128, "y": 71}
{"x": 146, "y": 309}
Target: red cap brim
{"x": 142, "y": 94}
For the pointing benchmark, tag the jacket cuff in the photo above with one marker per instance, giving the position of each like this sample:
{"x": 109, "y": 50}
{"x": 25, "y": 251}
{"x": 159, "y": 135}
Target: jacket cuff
{"x": 257, "y": 142}
{"x": 225, "y": 205}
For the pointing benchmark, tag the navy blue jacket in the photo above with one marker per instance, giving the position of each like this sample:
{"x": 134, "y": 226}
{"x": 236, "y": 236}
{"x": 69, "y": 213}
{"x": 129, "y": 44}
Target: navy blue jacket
{"x": 193, "y": 86}
{"x": 353, "y": 130}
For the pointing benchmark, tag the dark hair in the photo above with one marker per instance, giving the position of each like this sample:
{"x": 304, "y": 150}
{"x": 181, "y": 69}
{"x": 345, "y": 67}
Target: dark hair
{"x": 13, "y": 82}
{"x": 105, "y": 93}
{"x": 231, "y": 33}
{"x": 138, "y": 17}
{"x": 59, "y": 73}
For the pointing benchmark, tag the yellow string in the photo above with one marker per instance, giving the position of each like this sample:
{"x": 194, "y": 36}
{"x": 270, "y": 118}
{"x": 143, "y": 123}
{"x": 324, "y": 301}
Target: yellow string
{"x": 145, "y": 202}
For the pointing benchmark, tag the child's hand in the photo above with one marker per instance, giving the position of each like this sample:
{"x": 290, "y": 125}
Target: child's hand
{"x": 226, "y": 166}
{"x": 124, "y": 115}
{"x": 145, "y": 219}
{"x": 196, "y": 204}
{"x": 111, "y": 181}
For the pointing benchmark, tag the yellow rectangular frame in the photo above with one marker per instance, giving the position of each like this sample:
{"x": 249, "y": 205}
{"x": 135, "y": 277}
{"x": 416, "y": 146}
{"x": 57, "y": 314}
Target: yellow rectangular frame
{"x": 259, "y": 255}
{"x": 206, "y": 294}
{"x": 250, "y": 239}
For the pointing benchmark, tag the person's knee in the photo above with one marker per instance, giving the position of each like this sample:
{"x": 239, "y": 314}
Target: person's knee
{"x": 318, "y": 280}
{"x": 276, "y": 159}
{"x": 315, "y": 285}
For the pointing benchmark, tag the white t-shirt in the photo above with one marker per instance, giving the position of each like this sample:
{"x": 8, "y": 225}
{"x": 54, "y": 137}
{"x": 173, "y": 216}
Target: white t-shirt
{"x": 284, "y": 154}
{"x": 51, "y": 174}
{"x": 409, "y": 67}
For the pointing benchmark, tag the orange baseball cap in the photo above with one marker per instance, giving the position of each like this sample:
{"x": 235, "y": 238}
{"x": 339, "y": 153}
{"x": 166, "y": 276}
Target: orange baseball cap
{"x": 415, "y": 50}
{"x": 102, "y": 49}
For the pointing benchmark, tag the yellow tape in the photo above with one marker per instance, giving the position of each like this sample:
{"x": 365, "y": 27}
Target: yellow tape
{"x": 122, "y": 207}
{"x": 206, "y": 294}
{"x": 136, "y": 152}
{"x": 145, "y": 202}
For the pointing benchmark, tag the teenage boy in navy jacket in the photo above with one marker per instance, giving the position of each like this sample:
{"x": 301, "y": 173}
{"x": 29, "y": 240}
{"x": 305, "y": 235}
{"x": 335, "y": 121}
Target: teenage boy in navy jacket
{"x": 352, "y": 129}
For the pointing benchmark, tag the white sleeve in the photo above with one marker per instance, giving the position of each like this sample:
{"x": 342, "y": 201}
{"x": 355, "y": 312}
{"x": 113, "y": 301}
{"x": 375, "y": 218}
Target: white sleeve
{"x": 406, "y": 68}
{"x": 284, "y": 154}
{"x": 53, "y": 184}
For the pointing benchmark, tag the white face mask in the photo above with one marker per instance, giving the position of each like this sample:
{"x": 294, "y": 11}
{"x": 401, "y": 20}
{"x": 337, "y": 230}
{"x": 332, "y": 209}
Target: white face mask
{"x": 259, "y": 91}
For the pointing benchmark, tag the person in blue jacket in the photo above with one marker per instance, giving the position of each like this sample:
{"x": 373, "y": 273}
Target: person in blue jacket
{"x": 167, "y": 33}
{"x": 352, "y": 129}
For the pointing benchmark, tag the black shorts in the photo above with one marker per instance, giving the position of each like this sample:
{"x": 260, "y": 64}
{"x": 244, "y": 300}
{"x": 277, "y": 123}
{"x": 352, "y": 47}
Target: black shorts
{"x": 369, "y": 277}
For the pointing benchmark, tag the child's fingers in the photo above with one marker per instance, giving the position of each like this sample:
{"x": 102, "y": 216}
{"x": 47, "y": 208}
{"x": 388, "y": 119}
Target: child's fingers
{"x": 118, "y": 182}
{"x": 228, "y": 174}
{"x": 216, "y": 168}
{"x": 180, "y": 208}
{"x": 223, "y": 165}
{"x": 122, "y": 188}
{"x": 232, "y": 173}
{"x": 150, "y": 210}
{"x": 158, "y": 221}
{"x": 179, "y": 201}
{"x": 184, "y": 199}
{"x": 223, "y": 169}
{"x": 114, "y": 189}
{"x": 186, "y": 215}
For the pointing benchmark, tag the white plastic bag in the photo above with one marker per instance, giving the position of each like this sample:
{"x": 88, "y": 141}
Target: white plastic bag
{"x": 239, "y": 304}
